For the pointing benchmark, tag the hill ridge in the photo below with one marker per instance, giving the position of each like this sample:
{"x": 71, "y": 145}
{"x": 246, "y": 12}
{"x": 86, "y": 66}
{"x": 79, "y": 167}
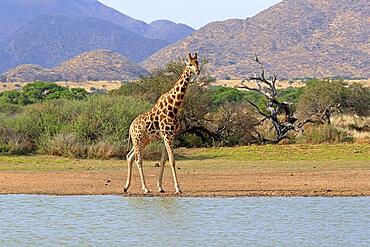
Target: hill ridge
{"x": 95, "y": 65}
{"x": 295, "y": 38}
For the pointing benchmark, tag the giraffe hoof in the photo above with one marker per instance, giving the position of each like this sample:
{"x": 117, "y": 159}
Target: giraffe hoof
{"x": 125, "y": 190}
{"x": 146, "y": 191}
{"x": 161, "y": 191}
{"x": 178, "y": 191}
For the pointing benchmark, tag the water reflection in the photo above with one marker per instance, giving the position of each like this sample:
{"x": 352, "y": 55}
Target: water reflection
{"x": 119, "y": 221}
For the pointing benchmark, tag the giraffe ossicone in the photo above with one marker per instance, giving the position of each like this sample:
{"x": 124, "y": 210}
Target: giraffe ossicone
{"x": 161, "y": 122}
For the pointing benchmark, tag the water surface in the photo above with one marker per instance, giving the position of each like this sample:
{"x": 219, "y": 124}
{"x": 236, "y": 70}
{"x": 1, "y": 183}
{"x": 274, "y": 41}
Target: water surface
{"x": 27, "y": 220}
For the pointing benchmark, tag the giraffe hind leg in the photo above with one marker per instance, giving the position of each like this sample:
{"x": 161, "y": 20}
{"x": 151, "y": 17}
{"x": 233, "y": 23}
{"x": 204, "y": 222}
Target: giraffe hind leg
{"x": 162, "y": 163}
{"x": 130, "y": 159}
{"x": 139, "y": 163}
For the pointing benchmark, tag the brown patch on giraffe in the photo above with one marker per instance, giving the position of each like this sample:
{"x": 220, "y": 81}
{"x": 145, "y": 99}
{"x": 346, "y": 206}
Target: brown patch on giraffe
{"x": 175, "y": 110}
{"x": 179, "y": 97}
{"x": 170, "y": 100}
{"x": 156, "y": 124}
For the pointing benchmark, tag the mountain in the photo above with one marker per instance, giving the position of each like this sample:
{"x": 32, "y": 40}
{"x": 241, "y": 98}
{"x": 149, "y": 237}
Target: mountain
{"x": 55, "y": 39}
{"x": 167, "y": 30}
{"x": 46, "y": 32}
{"x": 90, "y": 66}
{"x": 15, "y": 13}
{"x": 100, "y": 65}
{"x": 30, "y": 73}
{"x": 294, "y": 38}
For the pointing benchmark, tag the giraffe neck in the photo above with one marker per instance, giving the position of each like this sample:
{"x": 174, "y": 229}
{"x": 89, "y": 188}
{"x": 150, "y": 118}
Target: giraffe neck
{"x": 170, "y": 103}
{"x": 180, "y": 87}
{"x": 184, "y": 79}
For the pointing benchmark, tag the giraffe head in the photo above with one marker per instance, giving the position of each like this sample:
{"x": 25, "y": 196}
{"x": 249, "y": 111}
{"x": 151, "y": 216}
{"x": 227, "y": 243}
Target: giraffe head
{"x": 193, "y": 64}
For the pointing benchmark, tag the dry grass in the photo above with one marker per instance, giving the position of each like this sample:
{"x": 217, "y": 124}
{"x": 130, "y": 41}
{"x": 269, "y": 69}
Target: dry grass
{"x": 110, "y": 85}
{"x": 88, "y": 86}
{"x": 358, "y": 127}
{"x": 280, "y": 84}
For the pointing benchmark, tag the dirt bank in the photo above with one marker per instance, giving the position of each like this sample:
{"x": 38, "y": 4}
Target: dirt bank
{"x": 203, "y": 183}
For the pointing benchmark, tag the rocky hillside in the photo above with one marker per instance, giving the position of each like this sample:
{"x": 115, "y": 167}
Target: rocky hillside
{"x": 55, "y": 39}
{"x": 90, "y": 66}
{"x": 50, "y": 31}
{"x": 167, "y": 30}
{"x": 30, "y": 73}
{"x": 295, "y": 38}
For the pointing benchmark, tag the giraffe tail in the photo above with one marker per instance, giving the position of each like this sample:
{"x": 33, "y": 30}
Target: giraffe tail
{"x": 128, "y": 144}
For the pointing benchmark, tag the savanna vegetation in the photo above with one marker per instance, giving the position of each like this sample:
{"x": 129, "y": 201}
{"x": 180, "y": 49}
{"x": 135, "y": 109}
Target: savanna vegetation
{"x": 49, "y": 119}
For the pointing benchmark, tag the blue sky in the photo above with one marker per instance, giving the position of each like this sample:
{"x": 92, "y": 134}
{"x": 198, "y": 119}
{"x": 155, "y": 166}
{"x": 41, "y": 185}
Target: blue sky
{"x": 195, "y": 13}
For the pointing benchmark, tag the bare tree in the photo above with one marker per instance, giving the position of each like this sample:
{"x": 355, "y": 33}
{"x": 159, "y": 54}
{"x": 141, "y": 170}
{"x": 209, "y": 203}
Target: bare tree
{"x": 275, "y": 107}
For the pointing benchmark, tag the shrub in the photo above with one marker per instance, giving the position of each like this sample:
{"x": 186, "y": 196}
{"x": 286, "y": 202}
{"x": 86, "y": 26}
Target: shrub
{"x": 72, "y": 128}
{"x": 321, "y": 94}
{"x": 153, "y": 151}
{"x": 324, "y": 134}
{"x": 14, "y": 143}
{"x": 64, "y": 144}
{"x": 190, "y": 140}
{"x": 106, "y": 149}
{"x": 237, "y": 122}
{"x": 41, "y": 91}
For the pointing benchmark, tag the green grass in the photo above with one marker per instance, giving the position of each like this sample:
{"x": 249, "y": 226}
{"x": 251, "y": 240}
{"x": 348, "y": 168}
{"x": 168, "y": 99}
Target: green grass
{"x": 303, "y": 152}
{"x": 42, "y": 163}
{"x": 252, "y": 158}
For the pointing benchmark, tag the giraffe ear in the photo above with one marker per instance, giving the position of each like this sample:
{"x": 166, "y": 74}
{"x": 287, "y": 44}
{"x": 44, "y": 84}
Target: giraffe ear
{"x": 187, "y": 62}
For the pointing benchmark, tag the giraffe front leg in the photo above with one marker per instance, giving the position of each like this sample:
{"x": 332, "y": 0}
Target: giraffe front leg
{"x": 139, "y": 163}
{"x": 168, "y": 143}
{"x": 130, "y": 159}
{"x": 162, "y": 163}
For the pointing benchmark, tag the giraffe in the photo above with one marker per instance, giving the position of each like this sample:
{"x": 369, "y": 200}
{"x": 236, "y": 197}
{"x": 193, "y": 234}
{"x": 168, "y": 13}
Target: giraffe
{"x": 160, "y": 123}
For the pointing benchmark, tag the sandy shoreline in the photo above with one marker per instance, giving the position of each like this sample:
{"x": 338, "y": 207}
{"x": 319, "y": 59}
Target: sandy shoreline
{"x": 194, "y": 184}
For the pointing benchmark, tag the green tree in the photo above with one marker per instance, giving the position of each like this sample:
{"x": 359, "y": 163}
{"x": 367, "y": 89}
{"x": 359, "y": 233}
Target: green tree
{"x": 325, "y": 96}
{"x": 41, "y": 91}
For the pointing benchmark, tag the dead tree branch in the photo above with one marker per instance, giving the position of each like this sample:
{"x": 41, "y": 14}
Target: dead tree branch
{"x": 275, "y": 107}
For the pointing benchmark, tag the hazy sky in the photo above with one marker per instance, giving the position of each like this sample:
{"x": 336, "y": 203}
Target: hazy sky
{"x": 195, "y": 13}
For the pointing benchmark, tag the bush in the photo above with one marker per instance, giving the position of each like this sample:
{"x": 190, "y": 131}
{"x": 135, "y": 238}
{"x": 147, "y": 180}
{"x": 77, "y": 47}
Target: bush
{"x": 153, "y": 151}
{"x": 97, "y": 127}
{"x": 37, "y": 92}
{"x": 324, "y": 134}
{"x": 237, "y": 122}
{"x": 64, "y": 144}
{"x": 107, "y": 149}
{"x": 321, "y": 94}
{"x": 14, "y": 143}
{"x": 190, "y": 140}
